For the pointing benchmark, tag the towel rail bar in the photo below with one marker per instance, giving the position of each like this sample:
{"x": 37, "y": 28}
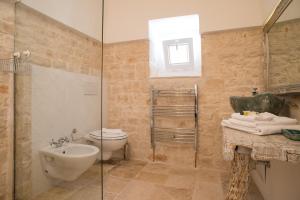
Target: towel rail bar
{"x": 175, "y": 135}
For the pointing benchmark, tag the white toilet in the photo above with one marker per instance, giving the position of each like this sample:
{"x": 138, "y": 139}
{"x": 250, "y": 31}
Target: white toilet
{"x": 112, "y": 140}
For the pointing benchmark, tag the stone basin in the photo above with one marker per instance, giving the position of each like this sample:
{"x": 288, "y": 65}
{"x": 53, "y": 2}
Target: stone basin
{"x": 265, "y": 102}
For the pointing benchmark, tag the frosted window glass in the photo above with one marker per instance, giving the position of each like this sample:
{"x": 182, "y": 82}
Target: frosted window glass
{"x": 179, "y": 54}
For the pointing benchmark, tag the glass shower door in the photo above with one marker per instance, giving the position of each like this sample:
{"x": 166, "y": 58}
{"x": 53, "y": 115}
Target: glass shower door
{"x": 58, "y": 96}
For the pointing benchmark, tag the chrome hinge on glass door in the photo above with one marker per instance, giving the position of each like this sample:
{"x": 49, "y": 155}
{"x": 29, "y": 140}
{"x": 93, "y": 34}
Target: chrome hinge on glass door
{"x": 19, "y": 63}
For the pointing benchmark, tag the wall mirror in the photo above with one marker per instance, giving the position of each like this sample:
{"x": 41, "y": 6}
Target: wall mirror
{"x": 282, "y": 31}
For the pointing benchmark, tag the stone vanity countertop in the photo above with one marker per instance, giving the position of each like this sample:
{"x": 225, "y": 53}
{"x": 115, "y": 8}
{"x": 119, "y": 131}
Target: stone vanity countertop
{"x": 264, "y": 148}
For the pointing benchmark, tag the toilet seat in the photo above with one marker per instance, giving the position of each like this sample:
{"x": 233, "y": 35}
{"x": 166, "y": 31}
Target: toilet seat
{"x": 114, "y": 136}
{"x": 109, "y": 141}
{"x": 106, "y": 135}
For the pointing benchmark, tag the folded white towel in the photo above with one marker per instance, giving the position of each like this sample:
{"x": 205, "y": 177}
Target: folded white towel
{"x": 260, "y": 129}
{"x": 284, "y": 120}
{"x": 226, "y": 123}
{"x": 267, "y": 130}
{"x": 259, "y": 117}
{"x": 276, "y": 121}
{"x": 265, "y": 116}
{"x": 238, "y": 116}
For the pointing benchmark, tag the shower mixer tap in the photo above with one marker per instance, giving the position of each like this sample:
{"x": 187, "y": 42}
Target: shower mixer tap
{"x": 63, "y": 140}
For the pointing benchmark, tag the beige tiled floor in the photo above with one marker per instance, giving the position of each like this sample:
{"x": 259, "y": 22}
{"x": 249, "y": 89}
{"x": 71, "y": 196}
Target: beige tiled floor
{"x": 137, "y": 180}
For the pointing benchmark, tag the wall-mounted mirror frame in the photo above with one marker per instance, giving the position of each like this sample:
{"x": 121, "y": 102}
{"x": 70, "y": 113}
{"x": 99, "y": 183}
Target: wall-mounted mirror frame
{"x": 277, "y": 12}
{"x": 271, "y": 20}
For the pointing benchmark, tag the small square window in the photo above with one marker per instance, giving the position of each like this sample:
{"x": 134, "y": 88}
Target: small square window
{"x": 175, "y": 47}
{"x": 178, "y": 54}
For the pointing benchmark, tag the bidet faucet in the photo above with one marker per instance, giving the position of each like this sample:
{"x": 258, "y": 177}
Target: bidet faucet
{"x": 54, "y": 143}
{"x": 63, "y": 140}
{"x": 59, "y": 142}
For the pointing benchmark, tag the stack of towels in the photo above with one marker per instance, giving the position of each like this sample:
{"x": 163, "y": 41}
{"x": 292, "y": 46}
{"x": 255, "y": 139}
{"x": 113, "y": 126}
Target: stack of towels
{"x": 97, "y": 133}
{"x": 260, "y": 124}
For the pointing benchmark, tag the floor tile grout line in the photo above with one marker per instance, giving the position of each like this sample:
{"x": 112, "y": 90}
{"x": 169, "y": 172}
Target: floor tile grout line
{"x": 167, "y": 194}
{"x": 135, "y": 169}
{"x": 131, "y": 180}
{"x": 119, "y": 193}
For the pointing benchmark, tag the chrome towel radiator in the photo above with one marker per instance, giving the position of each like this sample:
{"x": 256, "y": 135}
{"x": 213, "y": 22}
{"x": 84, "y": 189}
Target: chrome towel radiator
{"x": 188, "y": 110}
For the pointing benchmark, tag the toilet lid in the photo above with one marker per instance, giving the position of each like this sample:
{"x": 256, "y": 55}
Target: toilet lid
{"x": 114, "y": 135}
{"x": 109, "y": 134}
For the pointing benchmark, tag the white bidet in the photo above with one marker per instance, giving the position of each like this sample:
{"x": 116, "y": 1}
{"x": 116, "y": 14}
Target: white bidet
{"x": 69, "y": 161}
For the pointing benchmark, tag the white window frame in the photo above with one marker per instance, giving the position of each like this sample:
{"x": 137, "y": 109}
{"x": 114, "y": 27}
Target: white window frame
{"x": 178, "y": 66}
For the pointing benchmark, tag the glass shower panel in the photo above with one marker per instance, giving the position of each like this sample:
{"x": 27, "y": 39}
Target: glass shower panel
{"x": 58, "y": 96}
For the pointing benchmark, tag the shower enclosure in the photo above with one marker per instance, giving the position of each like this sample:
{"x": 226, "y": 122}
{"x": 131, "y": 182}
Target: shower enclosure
{"x": 54, "y": 74}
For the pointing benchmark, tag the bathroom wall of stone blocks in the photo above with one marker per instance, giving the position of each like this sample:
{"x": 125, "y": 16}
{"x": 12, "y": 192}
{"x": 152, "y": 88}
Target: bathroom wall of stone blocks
{"x": 80, "y": 81}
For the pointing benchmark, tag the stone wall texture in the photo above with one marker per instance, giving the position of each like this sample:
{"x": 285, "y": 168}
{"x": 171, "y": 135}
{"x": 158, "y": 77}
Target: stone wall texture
{"x": 293, "y": 102}
{"x": 7, "y": 17}
{"x": 53, "y": 44}
{"x": 284, "y": 46}
{"x": 232, "y": 64}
